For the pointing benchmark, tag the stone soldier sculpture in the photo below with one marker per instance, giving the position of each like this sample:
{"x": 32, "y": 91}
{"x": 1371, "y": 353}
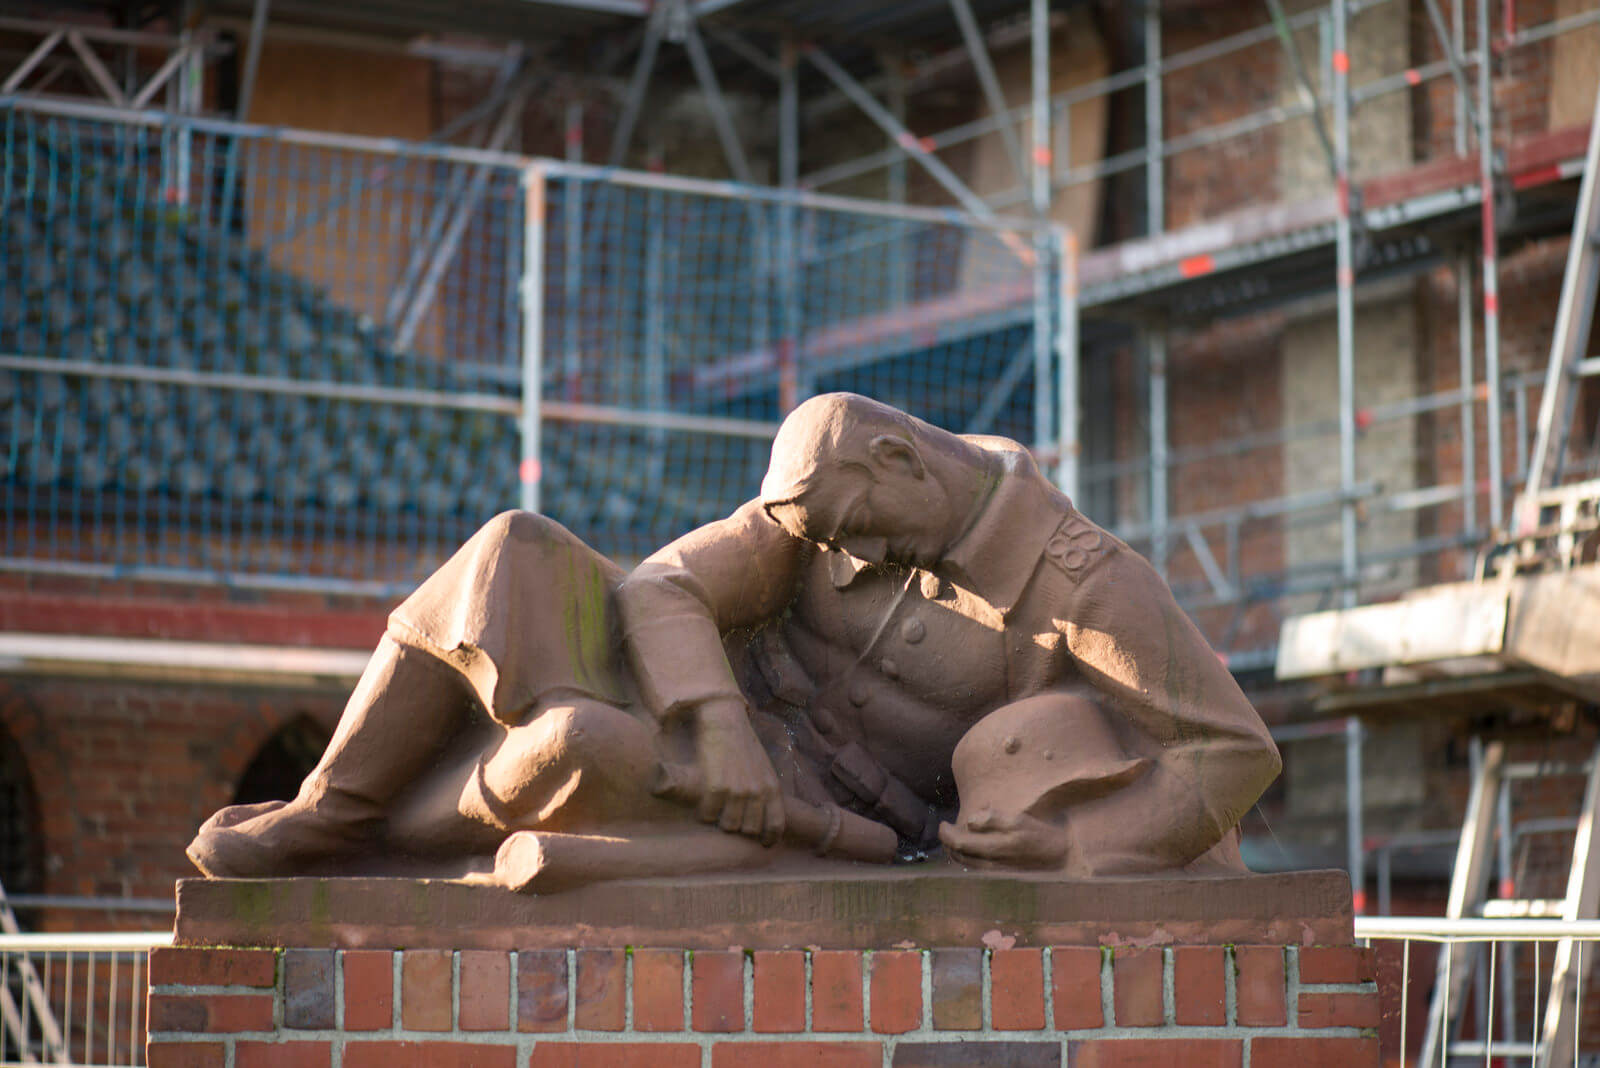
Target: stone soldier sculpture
{"x": 909, "y": 639}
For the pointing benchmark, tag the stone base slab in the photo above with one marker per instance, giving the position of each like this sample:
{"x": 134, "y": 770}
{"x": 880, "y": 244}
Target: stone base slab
{"x": 944, "y": 906}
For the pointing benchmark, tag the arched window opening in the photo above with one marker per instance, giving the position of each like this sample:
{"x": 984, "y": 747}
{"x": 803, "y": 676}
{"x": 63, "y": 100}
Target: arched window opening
{"x": 21, "y": 851}
{"x": 282, "y": 762}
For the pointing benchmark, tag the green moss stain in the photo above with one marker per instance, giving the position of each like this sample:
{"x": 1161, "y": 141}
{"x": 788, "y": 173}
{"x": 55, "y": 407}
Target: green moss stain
{"x": 252, "y": 902}
{"x": 585, "y": 623}
{"x": 319, "y": 909}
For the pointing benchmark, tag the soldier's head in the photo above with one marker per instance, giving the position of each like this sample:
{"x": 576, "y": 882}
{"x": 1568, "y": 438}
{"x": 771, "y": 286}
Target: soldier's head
{"x": 858, "y": 475}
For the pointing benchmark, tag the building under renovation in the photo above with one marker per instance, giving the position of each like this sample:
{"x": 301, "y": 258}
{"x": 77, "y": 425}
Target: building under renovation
{"x": 294, "y": 295}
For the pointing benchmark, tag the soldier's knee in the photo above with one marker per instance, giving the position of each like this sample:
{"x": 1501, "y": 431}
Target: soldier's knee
{"x": 517, "y": 525}
{"x": 590, "y": 733}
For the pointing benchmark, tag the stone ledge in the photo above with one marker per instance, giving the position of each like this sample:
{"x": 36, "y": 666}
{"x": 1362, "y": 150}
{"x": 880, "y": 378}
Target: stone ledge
{"x": 945, "y": 906}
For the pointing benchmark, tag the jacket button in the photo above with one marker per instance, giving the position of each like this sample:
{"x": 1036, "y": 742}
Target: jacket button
{"x": 890, "y": 669}
{"x": 913, "y": 631}
{"x": 858, "y": 693}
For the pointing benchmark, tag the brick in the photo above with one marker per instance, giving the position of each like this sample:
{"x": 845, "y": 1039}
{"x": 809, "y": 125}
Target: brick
{"x": 1075, "y": 987}
{"x": 718, "y": 990}
{"x": 1336, "y": 964}
{"x": 1259, "y": 986}
{"x": 368, "y": 989}
{"x": 186, "y": 1054}
{"x": 425, "y": 993}
{"x": 210, "y": 1013}
{"x": 896, "y": 990}
{"x": 282, "y": 1055}
{"x": 1136, "y": 987}
{"x": 1156, "y": 1053}
{"x": 308, "y": 1001}
{"x": 1344, "y": 1009}
{"x": 615, "y": 1055}
{"x": 797, "y": 1054}
{"x": 439, "y": 1053}
{"x": 779, "y": 992}
{"x": 974, "y": 1054}
{"x": 484, "y": 997}
{"x": 213, "y": 967}
{"x": 1016, "y": 990}
{"x": 542, "y": 990}
{"x": 836, "y": 990}
{"x": 1313, "y": 1052}
{"x": 1199, "y": 986}
{"x": 600, "y": 990}
{"x": 658, "y": 990}
{"x": 957, "y": 976}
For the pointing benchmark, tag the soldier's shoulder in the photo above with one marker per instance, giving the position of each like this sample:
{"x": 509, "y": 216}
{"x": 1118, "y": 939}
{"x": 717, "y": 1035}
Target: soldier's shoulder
{"x": 1077, "y": 543}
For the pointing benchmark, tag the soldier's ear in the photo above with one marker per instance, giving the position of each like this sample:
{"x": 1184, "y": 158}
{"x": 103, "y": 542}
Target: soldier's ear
{"x": 896, "y": 454}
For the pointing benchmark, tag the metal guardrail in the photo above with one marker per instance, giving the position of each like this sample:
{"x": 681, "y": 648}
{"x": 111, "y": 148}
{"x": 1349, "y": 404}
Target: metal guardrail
{"x": 1512, "y": 961}
{"x": 75, "y": 998}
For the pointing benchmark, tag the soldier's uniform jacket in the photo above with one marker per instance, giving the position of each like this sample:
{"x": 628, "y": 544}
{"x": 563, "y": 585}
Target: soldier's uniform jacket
{"x": 1033, "y": 599}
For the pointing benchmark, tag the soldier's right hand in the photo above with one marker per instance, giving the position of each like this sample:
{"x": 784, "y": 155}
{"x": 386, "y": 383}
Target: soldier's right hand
{"x": 740, "y": 792}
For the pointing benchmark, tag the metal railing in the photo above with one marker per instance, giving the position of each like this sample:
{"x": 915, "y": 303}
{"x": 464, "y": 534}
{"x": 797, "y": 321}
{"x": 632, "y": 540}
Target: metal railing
{"x": 1504, "y": 1018}
{"x": 276, "y": 357}
{"x": 75, "y": 999}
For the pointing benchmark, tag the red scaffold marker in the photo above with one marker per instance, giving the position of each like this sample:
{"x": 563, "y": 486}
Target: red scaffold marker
{"x": 1363, "y": 418}
{"x": 1195, "y": 266}
{"x": 1537, "y": 176}
{"x": 1413, "y": 76}
{"x": 529, "y": 471}
{"x": 1041, "y": 156}
{"x": 1341, "y": 62}
{"x": 1491, "y": 303}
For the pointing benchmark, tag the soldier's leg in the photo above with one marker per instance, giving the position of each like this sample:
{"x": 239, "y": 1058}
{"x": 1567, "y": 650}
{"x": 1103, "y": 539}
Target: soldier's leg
{"x": 520, "y": 608}
{"x": 575, "y": 765}
{"x": 405, "y": 707}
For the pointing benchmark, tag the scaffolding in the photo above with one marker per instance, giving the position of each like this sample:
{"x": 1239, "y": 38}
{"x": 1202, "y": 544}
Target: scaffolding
{"x": 1368, "y": 227}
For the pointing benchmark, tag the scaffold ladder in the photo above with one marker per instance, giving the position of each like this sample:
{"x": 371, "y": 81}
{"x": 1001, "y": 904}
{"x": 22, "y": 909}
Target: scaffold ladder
{"x": 1569, "y": 342}
{"x": 1557, "y": 1034}
{"x": 1469, "y": 897}
{"x": 34, "y": 1016}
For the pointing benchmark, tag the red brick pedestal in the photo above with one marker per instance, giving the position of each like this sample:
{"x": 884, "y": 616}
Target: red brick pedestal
{"x": 350, "y": 1005}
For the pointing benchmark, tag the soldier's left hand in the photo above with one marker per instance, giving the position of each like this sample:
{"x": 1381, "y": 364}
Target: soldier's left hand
{"x": 1004, "y": 840}
{"x": 741, "y": 793}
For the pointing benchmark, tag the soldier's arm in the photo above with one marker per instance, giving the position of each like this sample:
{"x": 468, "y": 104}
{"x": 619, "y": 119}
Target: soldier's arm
{"x": 1213, "y": 755}
{"x": 675, "y": 606}
{"x": 1199, "y": 755}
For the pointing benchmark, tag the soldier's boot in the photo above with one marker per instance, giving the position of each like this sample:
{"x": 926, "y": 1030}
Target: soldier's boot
{"x": 406, "y": 706}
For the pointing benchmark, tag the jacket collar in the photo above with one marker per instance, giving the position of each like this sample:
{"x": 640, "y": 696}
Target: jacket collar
{"x": 998, "y": 554}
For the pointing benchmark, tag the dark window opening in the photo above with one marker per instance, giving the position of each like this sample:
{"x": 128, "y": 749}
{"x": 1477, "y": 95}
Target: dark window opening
{"x": 21, "y": 852}
{"x": 282, "y": 762}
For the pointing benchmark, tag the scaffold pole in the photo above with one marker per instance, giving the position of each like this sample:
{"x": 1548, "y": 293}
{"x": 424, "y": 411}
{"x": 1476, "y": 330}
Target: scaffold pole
{"x": 534, "y": 181}
{"x": 1491, "y": 270}
{"x": 1345, "y": 280}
